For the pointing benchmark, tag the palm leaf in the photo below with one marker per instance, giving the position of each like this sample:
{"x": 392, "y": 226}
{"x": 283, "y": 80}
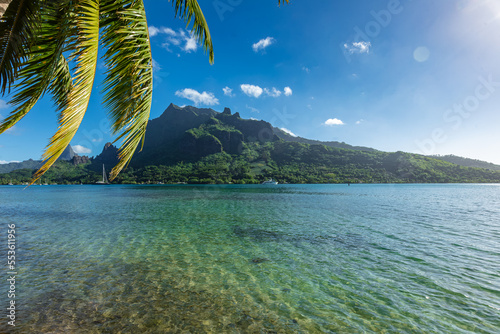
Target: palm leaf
{"x": 189, "y": 9}
{"x": 70, "y": 118}
{"x": 61, "y": 84}
{"x": 128, "y": 86}
{"x": 46, "y": 63}
{"x": 17, "y": 26}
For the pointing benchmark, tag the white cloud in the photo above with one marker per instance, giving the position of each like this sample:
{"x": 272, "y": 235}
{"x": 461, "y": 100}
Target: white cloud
{"x": 191, "y": 44}
{"x": 289, "y": 132}
{"x": 168, "y": 31}
{"x": 227, "y": 91}
{"x": 273, "y": 92}
{"x": 153, "y": 31}
{"x": 252, "y": 109}
{"x": 197, "y": 97}
{"x": 251, "y": 90}
{"x": 306, "y": 69}
{"x": 183, "y": 39}
{"x": 333, "y": 121}
{"x": 360, "y": 121}
{"x": 2, "y": 162}
{"x": 79, "y": 149}
{"x": 253, "y": 119}
{"x": 263, "y": 44}
{"x": 172, "y": 40}
{"x": 256, "y": 91}
{"x": 358, "y": 47}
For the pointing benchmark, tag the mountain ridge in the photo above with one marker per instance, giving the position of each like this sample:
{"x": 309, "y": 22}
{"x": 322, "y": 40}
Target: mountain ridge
{"x": 185, "y": 141}
{"x": 67, "y": 155}
{"x": 201, "y": 145}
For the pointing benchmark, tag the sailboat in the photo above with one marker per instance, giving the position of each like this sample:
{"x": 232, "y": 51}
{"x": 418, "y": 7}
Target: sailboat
{"x": 104, "y": 177}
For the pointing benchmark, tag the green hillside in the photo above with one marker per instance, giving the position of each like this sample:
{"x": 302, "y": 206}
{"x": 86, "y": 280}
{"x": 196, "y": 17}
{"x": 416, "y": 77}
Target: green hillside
{"x": 190, "y": 145}
{"x": 466, "y": 162}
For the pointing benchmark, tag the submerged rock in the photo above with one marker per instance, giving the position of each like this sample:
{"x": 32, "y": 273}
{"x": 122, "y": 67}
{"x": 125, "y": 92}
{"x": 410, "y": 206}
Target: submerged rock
{"x": 259, "y": 260}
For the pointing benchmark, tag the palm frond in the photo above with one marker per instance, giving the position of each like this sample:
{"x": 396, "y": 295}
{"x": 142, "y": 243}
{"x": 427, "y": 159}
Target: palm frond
{"x": 189, "y": 9}
{"x": 279, "y": 1}
{"x": 128, "y": 86}
{"x": 70, "y": 118}
{"x": 17, "y": 26}
{"x": 46, "y": 63}
{"x": 61, "y": 84}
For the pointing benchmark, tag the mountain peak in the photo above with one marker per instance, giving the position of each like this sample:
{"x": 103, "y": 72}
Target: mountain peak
{"x": 173, "y": 106}
{"x": 67, "y": 154}
{"x": 175, "y": 111}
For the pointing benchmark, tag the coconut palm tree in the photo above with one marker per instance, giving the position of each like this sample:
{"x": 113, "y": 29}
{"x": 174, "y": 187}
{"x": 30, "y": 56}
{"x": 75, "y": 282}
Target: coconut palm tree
{"x": 49, "y": 46}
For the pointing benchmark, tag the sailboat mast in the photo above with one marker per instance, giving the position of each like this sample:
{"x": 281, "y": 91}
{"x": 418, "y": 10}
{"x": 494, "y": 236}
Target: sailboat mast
{"x": 104, "y": 177}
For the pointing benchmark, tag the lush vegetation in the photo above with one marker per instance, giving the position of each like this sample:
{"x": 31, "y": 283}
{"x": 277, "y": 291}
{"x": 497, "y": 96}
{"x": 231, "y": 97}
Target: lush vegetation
{"x": 466, "y": 161}
{"x": 287, "y": 162}
{"x": 62, "y": 172}
{"x": 28, "y": 164}
{"x": 202, "y": 146}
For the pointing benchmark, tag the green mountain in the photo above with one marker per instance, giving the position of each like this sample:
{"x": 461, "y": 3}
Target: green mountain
{"x": 196, "y": 145}
{"x": 287, "y": 137}
{"x": 188, "y": 134}
{"x": 67, "y": 155}
{"x": 466, "y": 162}
{"x": 27, "y": 164}
{"x": 205, "y": 146}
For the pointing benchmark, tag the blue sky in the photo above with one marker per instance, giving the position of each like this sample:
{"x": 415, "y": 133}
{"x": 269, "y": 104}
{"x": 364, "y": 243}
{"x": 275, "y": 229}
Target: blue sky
{"x": 418, "y": 76}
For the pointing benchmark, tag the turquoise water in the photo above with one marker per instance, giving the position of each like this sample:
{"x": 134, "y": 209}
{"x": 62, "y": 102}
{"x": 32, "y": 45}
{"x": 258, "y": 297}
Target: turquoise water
{"x": 255, "y": 259}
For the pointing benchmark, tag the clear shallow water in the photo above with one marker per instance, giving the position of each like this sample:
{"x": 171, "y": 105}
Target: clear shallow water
{"x": 256, "y": 259}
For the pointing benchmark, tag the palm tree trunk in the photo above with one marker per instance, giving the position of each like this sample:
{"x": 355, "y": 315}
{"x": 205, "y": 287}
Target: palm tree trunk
{"x": 3, "y": 6}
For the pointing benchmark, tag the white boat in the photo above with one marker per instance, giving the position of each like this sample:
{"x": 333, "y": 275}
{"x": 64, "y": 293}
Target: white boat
{"x": 270, "y": 181}
{"x": 104, "y": 177}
